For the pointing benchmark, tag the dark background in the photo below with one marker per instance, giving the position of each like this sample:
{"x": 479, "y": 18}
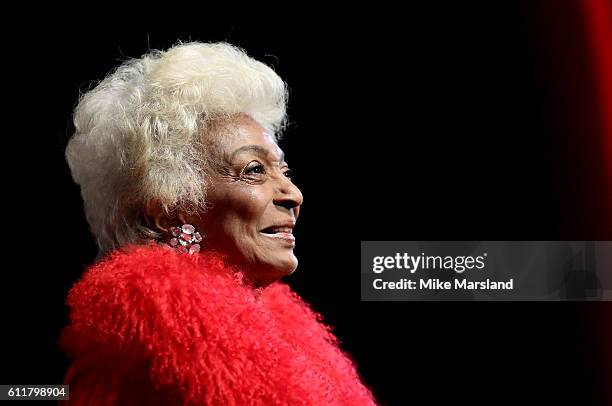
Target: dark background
{"x": 464, "y": 122}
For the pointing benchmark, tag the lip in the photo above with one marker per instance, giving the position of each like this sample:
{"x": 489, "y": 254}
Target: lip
{"x": 290, "y": 224}
{"x": 281, "y": 236}
{"x": 286, "y": 237}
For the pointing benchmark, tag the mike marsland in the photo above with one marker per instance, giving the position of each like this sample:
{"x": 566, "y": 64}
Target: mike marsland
{"x": 437, "y": 284}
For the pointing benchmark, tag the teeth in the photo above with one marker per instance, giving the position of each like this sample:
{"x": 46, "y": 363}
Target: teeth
{"x": 281, "y": 230}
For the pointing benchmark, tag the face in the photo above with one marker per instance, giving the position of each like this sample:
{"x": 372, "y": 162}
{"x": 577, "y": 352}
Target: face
{"x": 254, "y": 205}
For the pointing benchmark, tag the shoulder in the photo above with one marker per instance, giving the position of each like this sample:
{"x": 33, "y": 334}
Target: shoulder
{"x": 137, "y": 293}
{"x": 155, "y": 270}
{"x": 195, "y": 329}
{"x": 142, "y": 263}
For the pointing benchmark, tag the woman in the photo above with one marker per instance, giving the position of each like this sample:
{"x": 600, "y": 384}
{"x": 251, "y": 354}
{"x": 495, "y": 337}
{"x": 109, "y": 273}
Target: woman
{"x": 192, "y": 205}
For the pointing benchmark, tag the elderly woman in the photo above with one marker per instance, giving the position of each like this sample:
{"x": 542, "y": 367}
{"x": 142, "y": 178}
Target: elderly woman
{"x": 192, "y": 205}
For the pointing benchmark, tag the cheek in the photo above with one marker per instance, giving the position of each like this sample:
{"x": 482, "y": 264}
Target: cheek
{"x": 251, "y": 204}
{"x": 239, "y": 211}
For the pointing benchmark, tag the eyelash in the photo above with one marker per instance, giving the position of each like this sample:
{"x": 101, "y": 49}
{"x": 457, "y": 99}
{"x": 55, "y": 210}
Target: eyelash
{"x": 252, "y": 169}
{"x": 288, "y": 172}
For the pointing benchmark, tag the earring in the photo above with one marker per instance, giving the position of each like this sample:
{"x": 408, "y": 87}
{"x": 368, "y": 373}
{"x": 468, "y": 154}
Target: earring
{"x": 185, "y": 239}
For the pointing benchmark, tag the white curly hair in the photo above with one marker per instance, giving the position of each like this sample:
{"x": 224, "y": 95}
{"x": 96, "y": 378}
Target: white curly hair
{"x": 138, "y": 133}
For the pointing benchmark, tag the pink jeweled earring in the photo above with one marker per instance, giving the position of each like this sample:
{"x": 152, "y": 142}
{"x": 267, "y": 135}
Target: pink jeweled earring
{"x": 185, "y": 239}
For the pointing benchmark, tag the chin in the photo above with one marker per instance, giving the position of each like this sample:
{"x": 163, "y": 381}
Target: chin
{"x": 286, "y": 267}
{"x": 270, "y": 267}
{"x": 282, "y": 265}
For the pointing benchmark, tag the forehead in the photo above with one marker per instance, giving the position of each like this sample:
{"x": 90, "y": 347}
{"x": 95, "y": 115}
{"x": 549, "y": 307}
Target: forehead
{"x": 247, "y": 132}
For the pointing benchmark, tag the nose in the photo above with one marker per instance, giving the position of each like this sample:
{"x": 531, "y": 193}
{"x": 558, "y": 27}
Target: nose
{"x": 288, "y": 195}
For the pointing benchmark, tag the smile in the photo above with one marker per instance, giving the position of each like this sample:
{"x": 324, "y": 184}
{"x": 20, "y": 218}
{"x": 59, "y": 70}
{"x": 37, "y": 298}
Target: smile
{"x": 279, "y": 233}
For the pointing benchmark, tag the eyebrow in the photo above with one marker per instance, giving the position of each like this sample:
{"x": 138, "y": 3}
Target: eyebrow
{"x": 257, "y": 149}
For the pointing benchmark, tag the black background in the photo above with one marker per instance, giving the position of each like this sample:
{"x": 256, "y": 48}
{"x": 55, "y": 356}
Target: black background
{"x": 439, "y": 123}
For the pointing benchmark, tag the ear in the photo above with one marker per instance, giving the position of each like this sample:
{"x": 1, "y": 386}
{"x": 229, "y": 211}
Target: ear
{"x": 157, "y": 215}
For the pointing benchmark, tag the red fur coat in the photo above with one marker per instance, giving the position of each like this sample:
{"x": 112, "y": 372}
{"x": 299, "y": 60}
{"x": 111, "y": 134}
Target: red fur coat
{"x": 149, "y": 326}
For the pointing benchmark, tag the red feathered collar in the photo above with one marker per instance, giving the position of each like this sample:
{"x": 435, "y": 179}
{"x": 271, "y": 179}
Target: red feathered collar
{"x": 183, "y": 329}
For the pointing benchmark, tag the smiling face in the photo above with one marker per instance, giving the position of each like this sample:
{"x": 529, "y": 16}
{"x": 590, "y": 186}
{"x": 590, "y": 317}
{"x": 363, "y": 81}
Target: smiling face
{"x": 253, "y": 204}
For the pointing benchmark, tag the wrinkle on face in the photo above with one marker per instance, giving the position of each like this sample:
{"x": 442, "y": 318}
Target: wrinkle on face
{"x": 242, "y": 201}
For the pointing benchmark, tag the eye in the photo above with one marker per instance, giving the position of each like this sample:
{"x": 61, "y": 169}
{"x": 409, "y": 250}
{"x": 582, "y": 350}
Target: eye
{"x": 255, "y": 168}
{"x": 289, "y": 173}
